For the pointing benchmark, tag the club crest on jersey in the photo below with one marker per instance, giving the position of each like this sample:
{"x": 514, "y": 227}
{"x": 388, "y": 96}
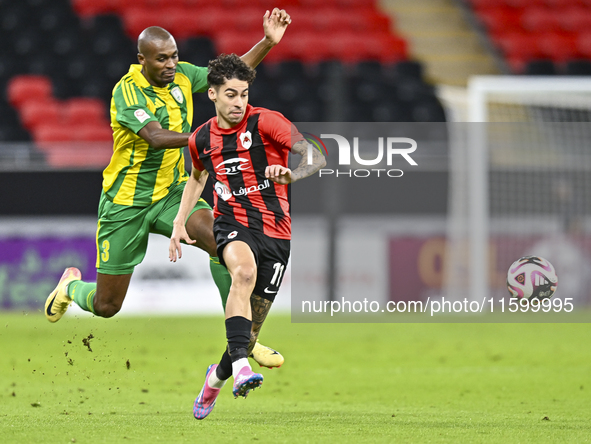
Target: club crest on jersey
{"x": 222, "y": 190}
{"x": 246, "y": 139}
{"x": 177, "y": 94}
{"x": 233, "y": 234}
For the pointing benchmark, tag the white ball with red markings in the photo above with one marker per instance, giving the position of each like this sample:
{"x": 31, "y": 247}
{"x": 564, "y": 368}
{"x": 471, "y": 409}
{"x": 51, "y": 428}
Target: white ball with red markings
{"x": 532, "y": 277}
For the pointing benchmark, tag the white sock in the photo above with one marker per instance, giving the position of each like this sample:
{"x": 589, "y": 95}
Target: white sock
{"x": 214, "y": 382}
{"x": 239, "y": 365}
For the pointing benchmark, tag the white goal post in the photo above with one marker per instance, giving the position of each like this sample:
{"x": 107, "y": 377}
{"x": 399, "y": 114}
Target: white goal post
{"x": 520, "y": 172}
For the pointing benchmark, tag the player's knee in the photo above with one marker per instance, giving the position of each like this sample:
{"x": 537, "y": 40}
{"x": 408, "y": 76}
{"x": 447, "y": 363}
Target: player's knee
{"x": 106, "y": 310}
{"x": 244, "y": 275}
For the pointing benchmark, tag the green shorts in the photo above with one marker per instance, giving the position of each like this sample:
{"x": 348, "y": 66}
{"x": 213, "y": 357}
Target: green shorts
{"x": 122, "y": 231}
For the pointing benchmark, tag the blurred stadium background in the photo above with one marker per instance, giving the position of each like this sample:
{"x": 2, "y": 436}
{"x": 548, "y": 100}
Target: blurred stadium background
{"x": 340, "y": 61}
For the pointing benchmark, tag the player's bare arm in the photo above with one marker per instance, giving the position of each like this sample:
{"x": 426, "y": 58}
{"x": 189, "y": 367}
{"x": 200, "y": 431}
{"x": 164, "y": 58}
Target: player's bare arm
{"x": 283, "y": 175}
{"x": 160, "y": 138}
{"x": 260, "y": 308}
{"x": 274, "y": 24}
{"x": 191, "y": 195}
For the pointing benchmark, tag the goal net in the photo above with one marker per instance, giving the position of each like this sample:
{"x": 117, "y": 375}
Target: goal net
{"x": 520, "y": 182}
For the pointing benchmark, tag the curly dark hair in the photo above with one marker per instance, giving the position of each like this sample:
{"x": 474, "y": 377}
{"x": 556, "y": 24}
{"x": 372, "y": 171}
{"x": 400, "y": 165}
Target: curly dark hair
{"x": 226, "y": 67}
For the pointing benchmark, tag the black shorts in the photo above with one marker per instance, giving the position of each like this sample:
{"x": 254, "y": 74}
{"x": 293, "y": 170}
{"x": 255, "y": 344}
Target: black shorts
{"x": 271, "y": 254}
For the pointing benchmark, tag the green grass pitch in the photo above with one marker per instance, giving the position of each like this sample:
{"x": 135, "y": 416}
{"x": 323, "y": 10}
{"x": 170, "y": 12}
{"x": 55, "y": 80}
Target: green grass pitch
{"x": 340, "y": 383}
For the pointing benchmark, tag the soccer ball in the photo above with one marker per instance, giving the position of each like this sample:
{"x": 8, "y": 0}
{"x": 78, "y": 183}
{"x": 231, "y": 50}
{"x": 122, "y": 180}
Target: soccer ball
{"x": 532, "y": 277}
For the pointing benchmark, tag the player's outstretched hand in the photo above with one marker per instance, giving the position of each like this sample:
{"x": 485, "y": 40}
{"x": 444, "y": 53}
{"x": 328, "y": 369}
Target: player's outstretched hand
{"x": 275, "y": 23}
{"x": 179, "y": 233}
{"x": 278, "y": 174}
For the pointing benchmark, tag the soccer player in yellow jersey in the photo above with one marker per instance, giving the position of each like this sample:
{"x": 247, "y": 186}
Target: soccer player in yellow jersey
{"x": 151, "y": 116}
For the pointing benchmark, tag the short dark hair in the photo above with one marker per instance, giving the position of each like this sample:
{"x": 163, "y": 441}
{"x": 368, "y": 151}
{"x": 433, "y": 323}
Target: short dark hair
{"x": 226, "y": 67}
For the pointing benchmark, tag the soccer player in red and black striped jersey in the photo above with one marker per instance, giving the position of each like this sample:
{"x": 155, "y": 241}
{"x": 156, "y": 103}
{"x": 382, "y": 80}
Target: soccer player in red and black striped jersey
{"x": 245, "y": 150}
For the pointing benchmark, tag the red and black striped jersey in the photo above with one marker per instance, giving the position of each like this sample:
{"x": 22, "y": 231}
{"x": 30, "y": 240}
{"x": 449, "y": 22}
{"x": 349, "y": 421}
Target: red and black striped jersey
{"x": 236, "y": 159}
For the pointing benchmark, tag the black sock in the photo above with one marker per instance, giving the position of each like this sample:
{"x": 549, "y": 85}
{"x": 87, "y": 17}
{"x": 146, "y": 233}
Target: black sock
{"x": 238, "y": 334}
{"x": 224, "y": 369}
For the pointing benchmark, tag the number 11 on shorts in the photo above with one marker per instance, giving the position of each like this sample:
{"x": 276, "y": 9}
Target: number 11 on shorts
{"x": 279, "y": 267}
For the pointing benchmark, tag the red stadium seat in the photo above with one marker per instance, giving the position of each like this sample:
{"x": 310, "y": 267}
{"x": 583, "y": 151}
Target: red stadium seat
{"x": 501, "y": 20}
{"x": 211, "y": 21}
{"x": 559, "y": 4}
{"x": 488, "y": 4}
{"x": 518, "y": 4}
{"x": 36, "y": 113}
{"x": 94, "y": 133}
{"x": 249, "y": 19}
{"x": 356, "y": 4}
{"x": 78, "y": 154}
{"x": 558, "y": 47}
{"x": 575, "y": 19}
{"x": 387, "y": 48}
{"x": 518, "y": 45}
{"x": 25, "y": 88}
{"x": 47, "y": 133}
{"x": 311, "y": 5}
{"x": 82, "y": 110}
{"x": 236, "y": 42}
{"x": 539, "y": 19}
{"x": 89, "y": 8}
{"x": 304, "y": 46}
{"x": 136, "y": 19}
{"x": 300, "y": 20}
{"x": 584, "y": 44}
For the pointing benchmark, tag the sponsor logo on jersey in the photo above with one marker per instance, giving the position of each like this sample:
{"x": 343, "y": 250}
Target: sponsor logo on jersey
{"x": 222, "y": 190}
{"x": 246, "y": 139}
{"x": 244, "y": 191}
{"x": 177, "y": 94}
{"x": 232, "y": 166}
{"x": 141, "y": 115}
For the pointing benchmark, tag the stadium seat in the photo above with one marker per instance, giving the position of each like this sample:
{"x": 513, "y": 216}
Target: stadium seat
{"x": 303, "y": 46}
{"x": 47, "y": 133}
{"x": 575, "y": 19}
{"x": 482, "y": 4}
{"x": 408, "y": 68}
{"x": 500, "y": 20}
{"x": 249, "y": 19}
{"x": 584, "y": 44}
{"x": 518, "y": 4}
{"x": 94, "y": 133}
{"x": 559, "y": 4}
{"x": 236, "y": 42}
{"x": 558, "y": 47}
{"x": 26, "y": 87}
{"x": 88, "y": 8}
{"x": 578, "y": 68}
{"x": 539, "y": 19}
{"x": 197, "y": 50}
{"x": 136, "y": 19}
{"x": 540, "y": 68}
{"x": 56, "y": 16}
{"x": 518, "y": 45}
{"x": 36, "y": 113}
{"x": 82, "y": 110}
{"x": 428, "y": 110}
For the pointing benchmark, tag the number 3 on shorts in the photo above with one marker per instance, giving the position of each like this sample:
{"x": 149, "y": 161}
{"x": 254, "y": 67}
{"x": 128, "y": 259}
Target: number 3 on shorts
{"x": 105, "y": 254}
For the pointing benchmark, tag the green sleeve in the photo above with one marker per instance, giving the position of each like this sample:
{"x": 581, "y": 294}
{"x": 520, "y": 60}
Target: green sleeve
{"x": 196, "y": 74}
{"x": 132, "y": 109}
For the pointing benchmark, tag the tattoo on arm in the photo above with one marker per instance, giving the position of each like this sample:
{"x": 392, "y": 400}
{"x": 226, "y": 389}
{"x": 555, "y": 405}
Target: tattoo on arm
{"x": 304, "y": 169}
{"x": 260, "y": 308}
